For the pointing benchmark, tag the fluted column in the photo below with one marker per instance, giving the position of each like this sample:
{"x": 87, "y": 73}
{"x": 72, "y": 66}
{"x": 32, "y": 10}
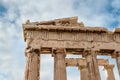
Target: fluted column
{"x": 32, "y": 64}
{"x": 110, "y": 73}
{"x": 92, "y": 65}
{"x": 59, "y": 64}
{"x": 83, "y": 72}
{"x": 118, "y": 61}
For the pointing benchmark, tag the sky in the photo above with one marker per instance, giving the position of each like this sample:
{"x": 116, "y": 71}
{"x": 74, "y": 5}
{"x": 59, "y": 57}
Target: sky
{"x": 13, "y": 13}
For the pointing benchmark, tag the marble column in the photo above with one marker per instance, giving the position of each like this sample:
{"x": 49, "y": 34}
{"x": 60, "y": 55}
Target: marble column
{"x": 118, "y": 61}
{"x": 83, "y": 72}
{"x": 32, "y": 64}
{"x": 110, "y": 73}
{"x": 92, "y": 65}
{"x": 59, "y": 64}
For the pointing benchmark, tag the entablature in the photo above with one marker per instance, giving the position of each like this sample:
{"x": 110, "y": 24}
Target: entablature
{"x": 73, "y": 36}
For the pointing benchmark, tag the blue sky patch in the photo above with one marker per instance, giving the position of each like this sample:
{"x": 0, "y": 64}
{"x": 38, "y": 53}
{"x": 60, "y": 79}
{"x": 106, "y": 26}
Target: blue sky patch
{"x": 114, "y": 24}
{"x": 112, "y": 10}
{"x": 3, "y": 10}
{"x": 76, "y": 4}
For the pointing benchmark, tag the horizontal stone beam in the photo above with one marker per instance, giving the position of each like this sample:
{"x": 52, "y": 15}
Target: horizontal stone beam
{"x": 48, "y": 32}
{"x": 81, "y": 62}
{"x": 76, "y": 45}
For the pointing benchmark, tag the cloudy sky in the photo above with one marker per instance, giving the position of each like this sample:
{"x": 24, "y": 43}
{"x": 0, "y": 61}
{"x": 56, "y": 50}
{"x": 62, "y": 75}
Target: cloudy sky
{"x": 13, "y": 13}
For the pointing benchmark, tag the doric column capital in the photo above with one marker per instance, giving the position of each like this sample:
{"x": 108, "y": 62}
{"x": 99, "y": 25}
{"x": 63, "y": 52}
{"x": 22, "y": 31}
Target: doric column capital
{"x": 89, "y": 52}
{"x": 115, "y": 54}
{"x": 58, "y": 51}
{"x": 109, "y": 66}
{"x": 31, "y": 50}
{"x": 118, "y": 53}
{"x": 82, "y": 67}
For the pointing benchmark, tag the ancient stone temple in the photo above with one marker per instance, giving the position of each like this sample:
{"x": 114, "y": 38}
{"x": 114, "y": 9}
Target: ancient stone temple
{"x": 61, "y": 37}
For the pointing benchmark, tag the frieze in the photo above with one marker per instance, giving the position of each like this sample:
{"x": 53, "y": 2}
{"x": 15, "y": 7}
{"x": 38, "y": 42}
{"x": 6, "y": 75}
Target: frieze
{"x": 73, "y": 36}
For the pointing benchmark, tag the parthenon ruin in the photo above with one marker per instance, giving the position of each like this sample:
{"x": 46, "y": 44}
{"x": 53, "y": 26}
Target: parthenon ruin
{"x": 64, "y": 36}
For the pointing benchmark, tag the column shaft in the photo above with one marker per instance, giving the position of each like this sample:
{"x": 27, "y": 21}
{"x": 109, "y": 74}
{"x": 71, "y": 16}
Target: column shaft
{"x": 32, "y": 65}
{"x": 83, "y": 72}
{"x": 59, "y": 65}
{"x": 110, "y": 73}
{"x": 93, "y": 68}
{"x": 96, "y": 67}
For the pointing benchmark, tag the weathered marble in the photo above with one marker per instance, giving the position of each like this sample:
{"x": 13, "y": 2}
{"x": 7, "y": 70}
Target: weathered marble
{"x": 84, "y": 72}
{"x": 110, "y": 73}
{"x": 59, "y": 64}
{"x": 64, "y": 36}
{"x": 32, "y": 64}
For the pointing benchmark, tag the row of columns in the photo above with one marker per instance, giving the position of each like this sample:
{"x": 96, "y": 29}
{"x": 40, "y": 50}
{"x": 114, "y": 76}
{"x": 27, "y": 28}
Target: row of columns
{"x": 85, "y": 73}
{"x": 33, "y": 66}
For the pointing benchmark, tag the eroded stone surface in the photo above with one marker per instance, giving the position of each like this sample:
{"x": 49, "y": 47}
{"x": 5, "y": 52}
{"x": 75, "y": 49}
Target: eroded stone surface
{"x": 64, "y": 36}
